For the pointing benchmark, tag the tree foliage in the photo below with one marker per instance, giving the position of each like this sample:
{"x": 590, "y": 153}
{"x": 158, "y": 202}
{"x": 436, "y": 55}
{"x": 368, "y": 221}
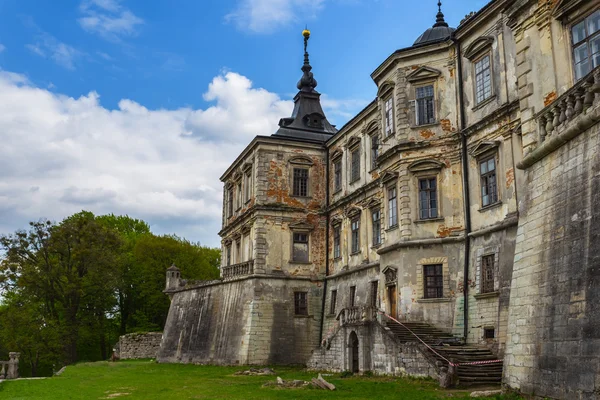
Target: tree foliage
{"x": 70, "y": 289}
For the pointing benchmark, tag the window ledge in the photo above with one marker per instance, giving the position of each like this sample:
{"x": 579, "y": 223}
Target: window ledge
{"x": 301, "y": 197}
{"x": 355, "y": 253}
{"x": 487, "y": 295}
{"x": 354, "y": 181}
{"x": 436, "y": 123}
{"x": 392, "y": 228}
{"x": 376, "y": 246}
{"x": 302, "y": 316}
{"x": 484, "y": 103}
{"x": 300, "y": 262}
{"x": 336, "y": 191}
{"x": 387, "y": 137}
{"x": 330, "y": 316}
{"x": 490, "y": 206}
{"x": 424, "y": 221}
{"x": 248, "y": 201}
{"x": 438, "y": 300}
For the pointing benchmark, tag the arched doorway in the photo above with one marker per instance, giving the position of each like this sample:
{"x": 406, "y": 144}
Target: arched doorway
{"x": 353, "y": 350}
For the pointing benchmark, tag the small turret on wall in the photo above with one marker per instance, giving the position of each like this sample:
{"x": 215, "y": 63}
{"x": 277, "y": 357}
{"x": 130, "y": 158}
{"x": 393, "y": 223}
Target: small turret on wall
{"x": 173, "y": 279}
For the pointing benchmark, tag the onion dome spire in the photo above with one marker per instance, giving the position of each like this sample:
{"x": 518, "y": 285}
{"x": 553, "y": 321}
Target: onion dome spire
{"x": 307, "y": 83}
{"x": 439, "y": 19}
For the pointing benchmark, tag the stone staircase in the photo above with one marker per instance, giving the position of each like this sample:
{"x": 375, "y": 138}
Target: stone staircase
{"x": 451, "y": 348}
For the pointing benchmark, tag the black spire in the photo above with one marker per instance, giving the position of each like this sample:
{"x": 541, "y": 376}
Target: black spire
{"x": 307, "y": 83}
{"x": 439, "y": 19}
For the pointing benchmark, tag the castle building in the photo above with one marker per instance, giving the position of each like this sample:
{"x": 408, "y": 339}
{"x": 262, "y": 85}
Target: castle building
{"x": 452, "y": 221}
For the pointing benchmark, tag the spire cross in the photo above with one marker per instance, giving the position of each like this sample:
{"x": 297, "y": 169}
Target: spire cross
{"x": 440, "y": 5}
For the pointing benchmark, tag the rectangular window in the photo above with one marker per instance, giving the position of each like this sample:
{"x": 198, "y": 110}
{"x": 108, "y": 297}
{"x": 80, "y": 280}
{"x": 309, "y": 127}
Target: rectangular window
{"x": 239, "y": 195}
{"x": 355, "y": 235}
{"x": 424, "y": 107}
{"x": 337, "y": 177}
{"x": 355, "y": 165}
{"x": 300, "y": 182}
{"x": 300, "y": 247}
{"x": 487, "y": 171}
{"x": 428, "y": 198}
{"x": 487, "y": 273}
{"x": 374, "y": 294}
{"x": 389, "y": 116}
{"x": 238, "y": 251}
{"x": 300, "y": 303}
{"x": 434, "y": 282}
{"x": 586, "y": 45}
{"x": 374, "y": 151}
{"x": 230, "y": 202}
{"x": 376, "y": 218}
{"x": 333, "y": 301}
{"x": 489, "y": 333}
{"x": 352, "y": 296}
{"x": 392, "y": 208}
{"x": 248, "y": 186}
{"x": 483, "y": 79}
{"x": 337, "y": 251}
{"x": 228, "y": 251}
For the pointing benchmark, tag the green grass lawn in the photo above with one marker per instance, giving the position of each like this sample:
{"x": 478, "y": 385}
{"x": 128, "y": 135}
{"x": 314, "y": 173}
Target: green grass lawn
{"x": 148, "y": 380}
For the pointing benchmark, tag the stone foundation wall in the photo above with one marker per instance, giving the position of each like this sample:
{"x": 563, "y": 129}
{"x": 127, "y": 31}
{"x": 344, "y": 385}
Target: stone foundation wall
{"x": 553, "y": 347}
{"x": 139, "y": 345}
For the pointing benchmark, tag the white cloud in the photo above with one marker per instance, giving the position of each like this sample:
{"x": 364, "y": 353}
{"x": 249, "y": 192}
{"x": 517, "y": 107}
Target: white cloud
{"x": 64, "y": 154}
{"x": 2, "y": 47}
{"x": 49, "y": 46}
{"x": 109, "y": 19}
{"x": 265, "y": 16}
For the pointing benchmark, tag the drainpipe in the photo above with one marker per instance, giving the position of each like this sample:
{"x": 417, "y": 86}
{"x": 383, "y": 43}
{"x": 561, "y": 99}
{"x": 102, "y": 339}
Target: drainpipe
{"x": 466, "y": 197}
{"x": 326, "y": 244}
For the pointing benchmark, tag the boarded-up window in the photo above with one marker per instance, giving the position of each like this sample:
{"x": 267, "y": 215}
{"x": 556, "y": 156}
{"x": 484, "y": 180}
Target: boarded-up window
{"x": 487, "y": 273}
{"x": 300, "y": 247}
{"x": 239, "y": 195}
{"x": 333, "y": 301}
{"x": 434, "y": 281}
{"x": 337, "y": 251}
{"x": 300, "y": 182}
{"x": 352, "y": 297}
{"x": 374, "y": 293}
{"x": 300, "y": 303}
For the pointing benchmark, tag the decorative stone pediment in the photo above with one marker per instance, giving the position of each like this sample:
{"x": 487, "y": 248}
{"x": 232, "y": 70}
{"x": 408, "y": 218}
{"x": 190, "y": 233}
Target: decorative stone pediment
{"x": 563, "y": 7}
{"x": 483, "y": 148}
{"x": 301, "y": 161}
{"x": 352, "y": 211}
{"x": 422, "y": 74}
{"x": 391, "y": 275}
{"x": 247, "y": 166}
{"x": 426, "y": 165}
{"x": 478, "y": 46}
{"x": 385, "y": 89}
{"x": 372, "y": 203}
{"x": 301, "y": 226}
{"x": 372, "y": 127}
{"x": 336, "y": 220}
{"x": 228, "y": 185}
{"x": 237, "y": 175}
{"x": 388, "y": 176}
{"x": 236, "y": 236}
{"x": 353, "y": 142}
{"x": 336, "y": 154}
{"x": 227, "y": 242}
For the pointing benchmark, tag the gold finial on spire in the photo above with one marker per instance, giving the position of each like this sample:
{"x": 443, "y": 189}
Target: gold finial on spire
{"x": 306, "y": 33}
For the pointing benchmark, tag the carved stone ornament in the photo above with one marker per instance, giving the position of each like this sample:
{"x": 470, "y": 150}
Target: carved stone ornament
{"x": 391, "y": 275}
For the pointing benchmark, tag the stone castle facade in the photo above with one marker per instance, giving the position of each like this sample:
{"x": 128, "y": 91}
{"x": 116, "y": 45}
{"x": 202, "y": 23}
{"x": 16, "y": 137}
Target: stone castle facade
{"x": 461, "y": 199}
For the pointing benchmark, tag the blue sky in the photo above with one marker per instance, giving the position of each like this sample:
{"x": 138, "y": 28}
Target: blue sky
{"x": 131, "y": 106}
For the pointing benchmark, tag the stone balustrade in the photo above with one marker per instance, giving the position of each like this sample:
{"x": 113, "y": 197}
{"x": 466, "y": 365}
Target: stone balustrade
{"x": 574, "y": 102}
{"x": 237, "y": 270}
{"x": 10, "y": 369}
{"x": 357, "y": 315}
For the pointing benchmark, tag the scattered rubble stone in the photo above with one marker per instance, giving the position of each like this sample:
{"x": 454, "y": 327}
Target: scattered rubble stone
{"x": 486, "y": 393}
{"x": 256, "y": 371}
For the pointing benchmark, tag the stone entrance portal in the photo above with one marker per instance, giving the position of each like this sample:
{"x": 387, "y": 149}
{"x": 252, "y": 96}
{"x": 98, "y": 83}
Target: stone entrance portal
{"x": 392, "y": 296}
{"x": 353, "y": 356}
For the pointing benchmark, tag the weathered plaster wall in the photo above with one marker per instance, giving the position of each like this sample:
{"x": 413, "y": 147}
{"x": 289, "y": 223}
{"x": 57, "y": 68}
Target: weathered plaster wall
{"x": 139, "y": 345}
{"x": 554, "y": 314}
{"x": 248, "y": 321}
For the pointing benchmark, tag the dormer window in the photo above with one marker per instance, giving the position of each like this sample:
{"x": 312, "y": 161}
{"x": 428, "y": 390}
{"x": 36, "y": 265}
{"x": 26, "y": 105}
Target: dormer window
{"x": 586, "y": 44}
{"x": 314, "y": 120}
{"x": 389, "y": 116}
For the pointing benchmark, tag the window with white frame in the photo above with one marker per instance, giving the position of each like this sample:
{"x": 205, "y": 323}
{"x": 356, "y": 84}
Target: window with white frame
{"x": 392, "y": 207}
{"x": 389, "y": 116}
{"x": 483, "y": 79}
{"x": 425, "y": 105}
{"x": 585, "y": 37}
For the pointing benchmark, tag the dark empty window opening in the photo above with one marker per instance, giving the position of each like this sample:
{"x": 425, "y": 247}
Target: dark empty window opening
{"x": 428, "y": 207}
{"x": 355, "y": 225}
{"x": 352, "y": 296}
{"x": 374, "y": 293}
{"x": 489, "y": 333}
{"x": 300, "y": 303}
{"x": 300, "y": 251}
{"x": 487, "y": 171}
{"x": 228, "y": 250}
{"x": 333, "y": 301}
{"x": 300, "y": 182}
{"x": 434, "y": 281}
{"x": 374, "y": 151}
{"x": 487, "y": 273}
{"x": 337, "y": 251}
{"x": 424, "y": 109}
{"x": 337, "y": 180}
{"x": 355, "y": 165}
{"x": 239, "y": 196}
{"x": 230, "y": 202}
